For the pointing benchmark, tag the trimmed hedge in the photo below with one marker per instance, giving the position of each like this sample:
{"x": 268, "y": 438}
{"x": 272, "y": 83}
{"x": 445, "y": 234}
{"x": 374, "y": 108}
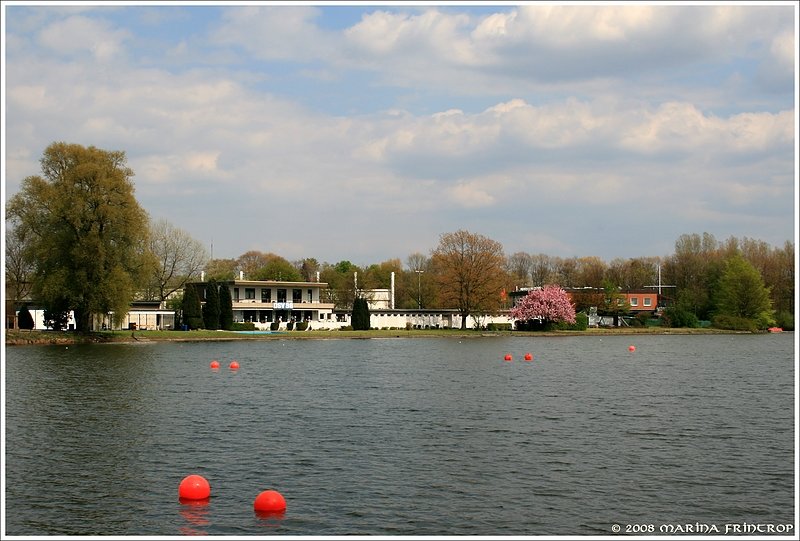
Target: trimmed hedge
{"x": 249, "y": 326}
{"x": 499, "y": 327}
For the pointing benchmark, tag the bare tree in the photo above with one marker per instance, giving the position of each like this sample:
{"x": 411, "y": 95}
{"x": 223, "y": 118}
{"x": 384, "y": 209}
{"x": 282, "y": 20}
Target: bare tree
{"x": 252, "y": 262}
{"x": 520, "y": 266}
{"x": 542, "y": 270}
{"x": 19, "y": 268}
{"x": 180, "y": 259}
{"x": 417, "y": 261}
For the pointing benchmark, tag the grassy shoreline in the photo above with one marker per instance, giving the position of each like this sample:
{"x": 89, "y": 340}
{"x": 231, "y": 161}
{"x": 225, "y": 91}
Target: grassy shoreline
{"x": 23, "y": 337}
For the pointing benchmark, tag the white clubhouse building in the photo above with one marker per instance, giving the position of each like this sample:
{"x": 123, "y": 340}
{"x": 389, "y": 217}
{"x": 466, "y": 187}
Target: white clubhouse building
{"x": 264, "y": 302}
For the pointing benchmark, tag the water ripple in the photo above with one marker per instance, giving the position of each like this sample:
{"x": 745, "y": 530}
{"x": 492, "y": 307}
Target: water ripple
{"x": 403, "y": 437}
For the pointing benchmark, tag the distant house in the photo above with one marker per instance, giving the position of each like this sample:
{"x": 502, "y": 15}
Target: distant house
{"x": 641, "y": 300}
{"x": 424, "y": 318}
{"x": 144, "y": 315}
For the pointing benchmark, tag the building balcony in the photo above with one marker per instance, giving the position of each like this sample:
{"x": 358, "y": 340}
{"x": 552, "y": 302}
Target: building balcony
{"x": 257, "y": 304}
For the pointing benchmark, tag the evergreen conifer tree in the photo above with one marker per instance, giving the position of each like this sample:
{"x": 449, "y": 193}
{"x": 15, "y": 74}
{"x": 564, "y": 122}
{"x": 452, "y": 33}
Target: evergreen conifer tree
{"x": 360, "y": 316}
{"x": 192, "y": 311}
{"x": 225, "y": 308}
{"x": 211, "y": 309}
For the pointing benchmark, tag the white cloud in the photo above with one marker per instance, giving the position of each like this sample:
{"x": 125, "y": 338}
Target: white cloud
{"x": 79, "y": 33}
{"x": 471, "y": 195}
{"x": 623, "y": 144}
{"x": 275, "y": 32}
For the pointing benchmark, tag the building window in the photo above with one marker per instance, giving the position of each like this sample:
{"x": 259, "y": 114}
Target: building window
{"x": 266, "y": 295}
{"x": 297, "y": 295}
{"x": 310, "y": 295}
{"x": 236, "y": 294}
{"x": 281, "y": 295}
{"x": 648, "y": 301}
{"x": 250, "y": 293}
{"x": 634, "y": 301}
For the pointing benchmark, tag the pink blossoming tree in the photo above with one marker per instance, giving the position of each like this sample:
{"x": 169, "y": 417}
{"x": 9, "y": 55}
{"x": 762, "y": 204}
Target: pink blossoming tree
{"x": 549, "y": 305}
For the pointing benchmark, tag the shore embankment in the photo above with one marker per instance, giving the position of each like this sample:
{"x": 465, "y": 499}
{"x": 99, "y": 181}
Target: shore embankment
{"x": 38, "y": 337}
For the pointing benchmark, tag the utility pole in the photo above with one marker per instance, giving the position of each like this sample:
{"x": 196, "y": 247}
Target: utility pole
{"x": 419, "y": 288}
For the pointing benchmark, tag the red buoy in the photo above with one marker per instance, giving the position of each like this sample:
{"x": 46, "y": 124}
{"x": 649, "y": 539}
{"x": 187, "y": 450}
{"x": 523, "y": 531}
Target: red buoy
{"x": 194, "y": 487}
{"x": 507, "y": 357}
{"x": 631, "y": 348}
{"x": 528, "y": 357}
{"x": 269, "y": 501}
{"x": 215, "y": 364}
{"x": 234, "y": 365}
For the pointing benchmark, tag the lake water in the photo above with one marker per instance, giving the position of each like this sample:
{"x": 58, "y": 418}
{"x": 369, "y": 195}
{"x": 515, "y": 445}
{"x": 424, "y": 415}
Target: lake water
{"x": 403, "y": 437}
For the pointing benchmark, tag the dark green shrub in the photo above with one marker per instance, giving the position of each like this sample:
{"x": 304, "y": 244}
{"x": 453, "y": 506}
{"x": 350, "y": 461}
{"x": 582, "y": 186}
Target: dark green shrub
{"x": 784, "y": 320}
{"x": 499, "y": 327}
{"x": 289, "y": 325}
{"x": 678, "y": 317}
{"x": 275, "y": 325}
{"x": 301, "y": 326}
{"x": 25, "y": 319}
{"x": 733, "y": 323}
{"x": 248, "y": 326}
{"x": 57, "y": 320}
{"x": 581, "y": 323}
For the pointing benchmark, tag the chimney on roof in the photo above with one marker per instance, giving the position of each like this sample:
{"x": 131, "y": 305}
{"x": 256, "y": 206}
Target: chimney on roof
{"x": 202, "y": 276}
{"x": 391, "y": 298}
{"x": 241, "y": 275}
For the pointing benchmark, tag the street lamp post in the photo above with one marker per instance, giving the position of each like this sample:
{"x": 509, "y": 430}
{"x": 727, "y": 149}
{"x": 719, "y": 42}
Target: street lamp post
{"x": 419, "y": 288}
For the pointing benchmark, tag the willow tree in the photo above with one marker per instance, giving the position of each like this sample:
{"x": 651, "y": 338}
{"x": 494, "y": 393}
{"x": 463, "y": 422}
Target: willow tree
{"x": 469, "y": 269}
{"x": 87, "y": 233}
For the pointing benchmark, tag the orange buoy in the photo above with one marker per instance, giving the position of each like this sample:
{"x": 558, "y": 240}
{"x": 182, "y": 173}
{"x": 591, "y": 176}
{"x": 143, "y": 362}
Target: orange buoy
{"x": 269, "y": 501}
{"x": 234, "y": 365}
{"x": 528, "y": 357}
{"x": 507, "y": 357}
{"x": 194, "y": 487}
{"x": 214, "y": 364}
{"x": 631, "y": 348}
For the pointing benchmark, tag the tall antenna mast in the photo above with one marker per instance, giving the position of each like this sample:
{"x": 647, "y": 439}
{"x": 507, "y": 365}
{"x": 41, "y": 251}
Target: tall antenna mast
{"x": 660, "y": 285}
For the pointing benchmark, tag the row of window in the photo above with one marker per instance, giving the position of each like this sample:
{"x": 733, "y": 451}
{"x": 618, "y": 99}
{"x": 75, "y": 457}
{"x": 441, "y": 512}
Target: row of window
{"x": 266, "y": 294}
{"x": 634, "y": 301}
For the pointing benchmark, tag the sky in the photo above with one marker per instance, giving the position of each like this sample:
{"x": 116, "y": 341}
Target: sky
{"x": 363, "y": 132}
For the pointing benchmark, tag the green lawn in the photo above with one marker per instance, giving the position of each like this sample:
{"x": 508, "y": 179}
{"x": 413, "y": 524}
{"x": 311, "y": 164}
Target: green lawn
{"x": 14, "y": 337}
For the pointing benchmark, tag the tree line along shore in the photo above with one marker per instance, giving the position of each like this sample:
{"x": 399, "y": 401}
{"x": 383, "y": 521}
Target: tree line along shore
{"x": 79, "y": 243}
